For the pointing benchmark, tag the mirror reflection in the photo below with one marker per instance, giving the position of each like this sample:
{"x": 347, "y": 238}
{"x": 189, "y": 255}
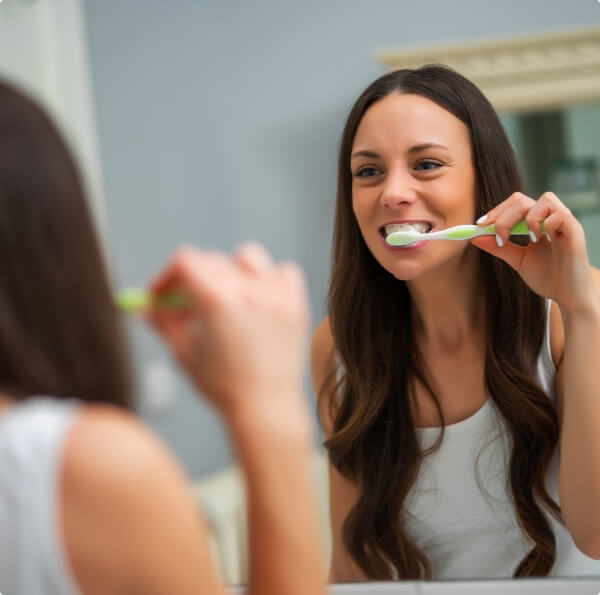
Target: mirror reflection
{"x": 559, "y": 149}
{"x": 446, "y": 392}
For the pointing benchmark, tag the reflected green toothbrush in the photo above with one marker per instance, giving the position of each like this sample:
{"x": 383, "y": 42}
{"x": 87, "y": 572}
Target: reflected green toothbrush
{"x": 405, "y": 237}
{"x": 133, "y": 300}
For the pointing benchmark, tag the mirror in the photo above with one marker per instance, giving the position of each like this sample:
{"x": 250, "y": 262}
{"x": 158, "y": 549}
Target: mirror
{"x": 219, "y": 122}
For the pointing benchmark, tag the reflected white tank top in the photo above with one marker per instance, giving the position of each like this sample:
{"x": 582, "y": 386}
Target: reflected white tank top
{"x": 460, "y": 509}
{"x": 33, "y": 560}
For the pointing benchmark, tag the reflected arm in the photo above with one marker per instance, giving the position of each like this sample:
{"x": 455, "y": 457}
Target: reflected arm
{"x": 578, "y": 392}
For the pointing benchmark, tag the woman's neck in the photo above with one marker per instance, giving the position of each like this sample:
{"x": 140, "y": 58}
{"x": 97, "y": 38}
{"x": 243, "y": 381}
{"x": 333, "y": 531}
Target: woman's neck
{"x": 447, "y": 302}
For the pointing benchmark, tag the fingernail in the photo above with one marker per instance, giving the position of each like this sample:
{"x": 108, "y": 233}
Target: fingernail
{"x": 533, "y": 237}
{"x": 548, "y": 237}
{"x": 481, "y": 219}
{"x": 499, "y": 241}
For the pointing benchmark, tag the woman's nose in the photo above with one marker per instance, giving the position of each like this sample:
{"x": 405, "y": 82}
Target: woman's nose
{"x": 398, "y": 190}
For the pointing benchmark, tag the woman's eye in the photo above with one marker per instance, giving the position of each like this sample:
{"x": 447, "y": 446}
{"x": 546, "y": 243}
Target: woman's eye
{"x": 428, "y": 165}
{"x": 367, "y": 172}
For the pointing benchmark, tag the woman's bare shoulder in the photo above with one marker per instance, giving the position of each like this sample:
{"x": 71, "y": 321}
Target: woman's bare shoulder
{"x": 123, "y": 493}
{"x": 324, "y": 372}
{"x": 106, "y": 444}
{"x": 322, "y": 344}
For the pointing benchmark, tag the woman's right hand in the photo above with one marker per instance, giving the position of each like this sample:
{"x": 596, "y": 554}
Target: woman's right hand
{"x": 242, "y": 337}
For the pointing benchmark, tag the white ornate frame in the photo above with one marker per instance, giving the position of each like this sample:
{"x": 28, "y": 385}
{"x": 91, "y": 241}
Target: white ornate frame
{"x": 519, "y": 73}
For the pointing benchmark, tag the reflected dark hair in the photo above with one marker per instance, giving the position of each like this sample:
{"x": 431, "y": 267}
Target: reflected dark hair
{"x": 373, "y": 442}
{"x": 60, "y": 334}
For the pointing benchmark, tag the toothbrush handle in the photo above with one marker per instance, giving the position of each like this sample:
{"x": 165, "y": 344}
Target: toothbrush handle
{"x": 132, "y": 300}
{"x": 519, "y": 229}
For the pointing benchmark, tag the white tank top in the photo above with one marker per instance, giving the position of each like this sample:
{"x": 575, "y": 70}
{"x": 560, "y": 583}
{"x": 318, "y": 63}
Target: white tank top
{"x": 32, "y": 554}
{"x": 460, "y": 509}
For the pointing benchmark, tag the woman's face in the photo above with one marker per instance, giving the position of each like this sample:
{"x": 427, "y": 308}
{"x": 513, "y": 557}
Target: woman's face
{"x": 411, "y": 164}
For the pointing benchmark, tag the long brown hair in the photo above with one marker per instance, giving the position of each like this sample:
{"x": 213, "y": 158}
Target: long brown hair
{"x": 374, "y": 442}
{"x": 59, "y": 330}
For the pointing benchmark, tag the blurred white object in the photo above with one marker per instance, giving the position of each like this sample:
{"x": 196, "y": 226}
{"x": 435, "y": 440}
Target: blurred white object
{"x": 159, "y": 382}
{"x": 220, "y": 497}
{"x": 222, "y": 501}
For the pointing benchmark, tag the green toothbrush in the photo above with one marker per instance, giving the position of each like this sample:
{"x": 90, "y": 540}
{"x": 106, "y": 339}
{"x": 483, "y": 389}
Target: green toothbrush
{"x": 458, "y": 232}
{"x": 132, "y": 300}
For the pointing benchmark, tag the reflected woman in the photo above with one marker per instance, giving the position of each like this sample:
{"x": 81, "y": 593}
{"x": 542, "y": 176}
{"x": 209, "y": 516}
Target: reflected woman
{"x": 457, "y": 381}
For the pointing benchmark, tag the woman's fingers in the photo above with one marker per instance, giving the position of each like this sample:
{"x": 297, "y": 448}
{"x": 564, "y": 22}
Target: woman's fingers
{"x": 558, "y": 270}
{"x": 505, "y": 215}
{"x": 549, "y": 209}
{"x": 538, "y": 214}
{"x": 190, "y": 269}
{"x": 557, "y": 218}
{"x": 492, "y": 215}
{"x": 200, "y": 277}
{"x": 254, "y": 258}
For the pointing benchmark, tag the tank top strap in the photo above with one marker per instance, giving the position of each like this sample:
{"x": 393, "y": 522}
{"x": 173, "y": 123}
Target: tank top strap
{"x": 546, "y": 370}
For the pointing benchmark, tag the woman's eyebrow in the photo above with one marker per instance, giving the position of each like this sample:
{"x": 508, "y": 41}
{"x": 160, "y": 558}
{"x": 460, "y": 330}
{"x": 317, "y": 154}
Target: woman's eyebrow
{"x": 425, "y": 146}
{"x": 365, "y": 153}
{"x": 414, "y": 149}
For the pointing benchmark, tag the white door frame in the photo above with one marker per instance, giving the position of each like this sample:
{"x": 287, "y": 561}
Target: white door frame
{"x": 43, "y": 49}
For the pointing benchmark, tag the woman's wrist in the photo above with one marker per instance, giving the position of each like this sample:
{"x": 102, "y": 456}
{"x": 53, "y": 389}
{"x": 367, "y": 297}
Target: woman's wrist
{"x": 584, "y": 311}
{"x": 269, "y": 420}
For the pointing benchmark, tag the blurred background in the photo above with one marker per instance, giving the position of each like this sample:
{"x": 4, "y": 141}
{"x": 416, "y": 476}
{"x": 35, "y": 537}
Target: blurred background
{"x": 216, "y": 121}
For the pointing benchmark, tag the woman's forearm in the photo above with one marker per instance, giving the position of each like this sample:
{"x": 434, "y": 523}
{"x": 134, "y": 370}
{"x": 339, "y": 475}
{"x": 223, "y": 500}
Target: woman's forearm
{"x": 579, "y": 385}
{"x": 275, "y": 450}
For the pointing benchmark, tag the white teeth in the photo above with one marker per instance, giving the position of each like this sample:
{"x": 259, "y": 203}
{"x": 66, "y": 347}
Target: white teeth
{"x": 420, "y": 226}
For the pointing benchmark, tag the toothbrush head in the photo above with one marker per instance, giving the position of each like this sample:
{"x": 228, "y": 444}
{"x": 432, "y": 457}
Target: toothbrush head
{"x": 403, "y": 238}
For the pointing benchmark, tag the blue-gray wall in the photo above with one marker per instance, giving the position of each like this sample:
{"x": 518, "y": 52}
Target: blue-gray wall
{"x": 219, "y": 121}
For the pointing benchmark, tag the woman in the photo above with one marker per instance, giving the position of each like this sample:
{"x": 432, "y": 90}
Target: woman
{"x": 91, "y": 501}
{"x": 456, "y": 380}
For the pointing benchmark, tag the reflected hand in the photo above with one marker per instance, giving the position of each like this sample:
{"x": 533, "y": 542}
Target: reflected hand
{"x": 243, "y": 336}
{"x": 555, "y": 266}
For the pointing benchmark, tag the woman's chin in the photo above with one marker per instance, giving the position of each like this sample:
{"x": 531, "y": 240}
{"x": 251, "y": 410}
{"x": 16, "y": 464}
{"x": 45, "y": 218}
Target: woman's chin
{"x": 406, "y": 277}
{"x": 405, "y": 271}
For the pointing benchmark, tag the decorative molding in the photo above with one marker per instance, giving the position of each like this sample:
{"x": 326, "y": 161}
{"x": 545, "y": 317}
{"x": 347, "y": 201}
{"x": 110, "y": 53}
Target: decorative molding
{"x": 525, "y": 72}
